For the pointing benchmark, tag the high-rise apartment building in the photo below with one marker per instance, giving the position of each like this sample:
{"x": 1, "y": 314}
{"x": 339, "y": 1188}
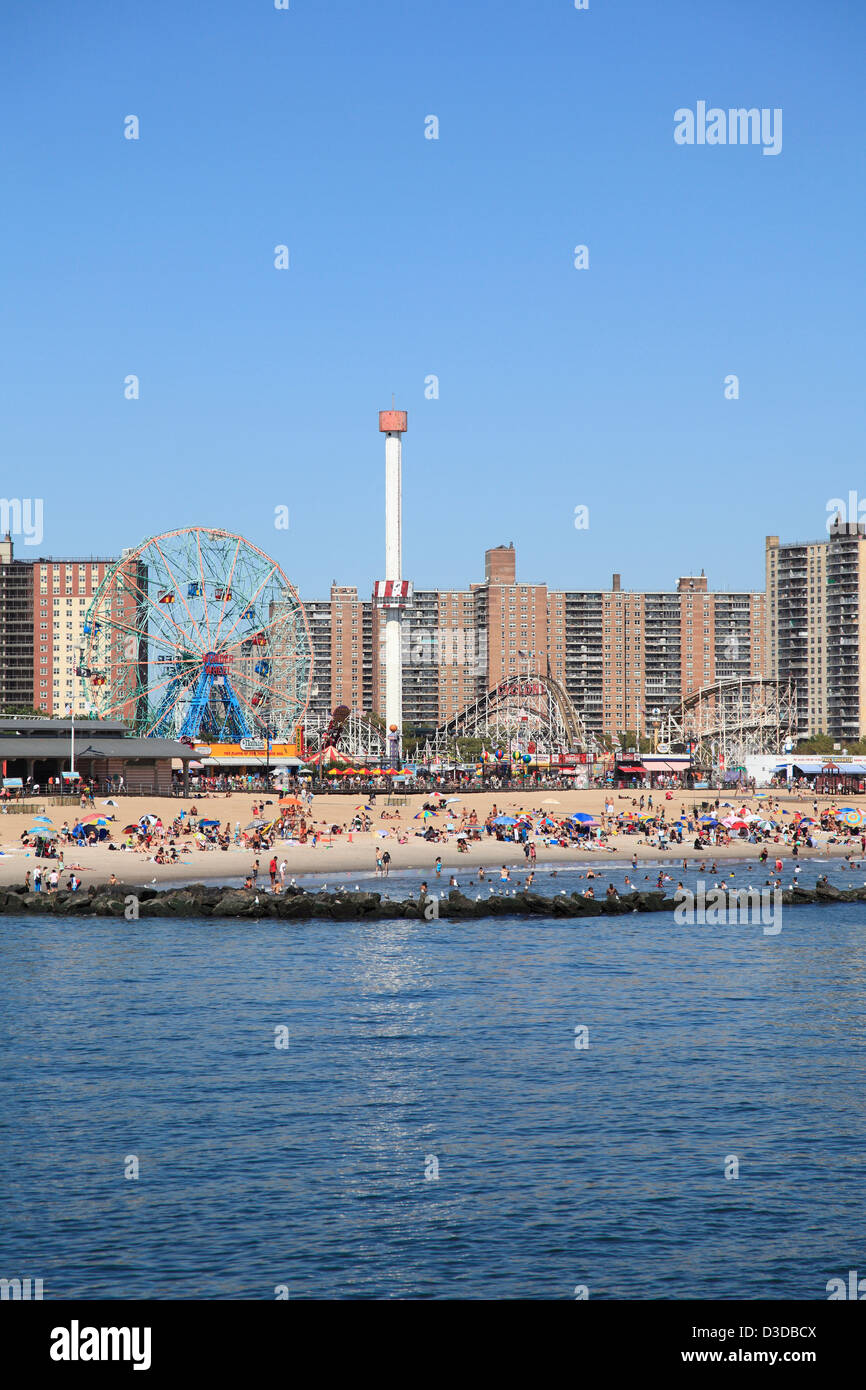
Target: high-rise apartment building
{"x": 845, "y": 607}
{"x": 341, "y": 629}
{"x": 62, "y": 594}
{"x": 43, "y": 604}
{"x": 16, "y": 630}
{"x": 627, "y": 657}
{"x": 816, "y": 628}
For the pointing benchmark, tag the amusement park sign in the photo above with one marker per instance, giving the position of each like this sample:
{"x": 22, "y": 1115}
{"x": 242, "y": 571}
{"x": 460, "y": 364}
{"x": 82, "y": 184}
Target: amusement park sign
{"x": 522, "y": 688}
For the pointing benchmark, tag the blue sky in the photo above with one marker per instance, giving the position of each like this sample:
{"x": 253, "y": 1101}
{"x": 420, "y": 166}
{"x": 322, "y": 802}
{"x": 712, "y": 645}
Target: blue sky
{"x": 605, "y": 387}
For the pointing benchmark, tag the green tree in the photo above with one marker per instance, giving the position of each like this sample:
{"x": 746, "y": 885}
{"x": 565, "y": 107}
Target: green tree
{"x": 819, "y": 743}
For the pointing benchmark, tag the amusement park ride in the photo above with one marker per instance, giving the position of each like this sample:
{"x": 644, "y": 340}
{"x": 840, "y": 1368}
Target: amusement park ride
{"x": 197, "y": 634}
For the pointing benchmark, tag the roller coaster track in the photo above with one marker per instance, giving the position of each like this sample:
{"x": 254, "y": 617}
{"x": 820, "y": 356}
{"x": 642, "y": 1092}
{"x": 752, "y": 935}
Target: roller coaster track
{"x": 533, "y": 705}
{"x": 737, "y": 717}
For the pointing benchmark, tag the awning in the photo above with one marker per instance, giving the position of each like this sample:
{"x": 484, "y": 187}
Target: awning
{"x": 840, "y": 770}
{"x": 631, "y": 770}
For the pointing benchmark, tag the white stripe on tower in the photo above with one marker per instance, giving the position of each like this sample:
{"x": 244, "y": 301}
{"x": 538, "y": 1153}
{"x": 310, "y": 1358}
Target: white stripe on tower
{"x": 392, "y": 423}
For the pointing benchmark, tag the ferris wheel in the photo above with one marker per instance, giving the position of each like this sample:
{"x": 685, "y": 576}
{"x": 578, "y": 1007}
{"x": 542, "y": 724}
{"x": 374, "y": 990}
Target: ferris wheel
{"x": 198, "y": 634}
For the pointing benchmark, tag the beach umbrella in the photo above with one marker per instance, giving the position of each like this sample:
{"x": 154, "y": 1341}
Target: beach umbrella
{"x": 504, "y": 820}
{"x": 131, "y": 829}
{"x": 109, "y": 802}
{"x": 849, "y": 815}
{"x": 583, "y": 816}
{"x": 334, "y": 772}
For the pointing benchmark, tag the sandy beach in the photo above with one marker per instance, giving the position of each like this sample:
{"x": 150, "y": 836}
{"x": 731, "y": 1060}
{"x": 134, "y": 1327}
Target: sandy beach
{"x": 350, "y": 852}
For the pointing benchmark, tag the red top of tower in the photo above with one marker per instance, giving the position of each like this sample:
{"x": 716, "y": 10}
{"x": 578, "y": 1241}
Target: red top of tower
{"x": 392, "y": 421}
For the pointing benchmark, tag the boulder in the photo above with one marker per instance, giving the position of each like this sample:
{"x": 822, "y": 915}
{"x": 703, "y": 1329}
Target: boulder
{"x": 827, "y": 892}
{"x": 234, "y": 902}
{"x": 458, "y": 905}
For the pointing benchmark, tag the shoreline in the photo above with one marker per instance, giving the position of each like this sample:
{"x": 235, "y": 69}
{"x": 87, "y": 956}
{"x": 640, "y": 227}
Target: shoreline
{"x": 304, "y": 863}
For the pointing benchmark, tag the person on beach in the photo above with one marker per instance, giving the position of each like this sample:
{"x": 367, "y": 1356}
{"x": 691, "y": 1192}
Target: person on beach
{"x": 504, "y": 876}
{"x": 272, "y": 871}
{"x": 438, "y": 865}
{"x": 37, "y": 879}
{"x": 386, "y": 863}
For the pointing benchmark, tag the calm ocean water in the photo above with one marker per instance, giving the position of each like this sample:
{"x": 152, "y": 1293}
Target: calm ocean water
{"x": 422, "y": 1041}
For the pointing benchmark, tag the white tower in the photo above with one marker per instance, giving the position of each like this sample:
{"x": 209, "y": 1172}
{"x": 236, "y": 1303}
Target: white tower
{"x": 393, "y": 594}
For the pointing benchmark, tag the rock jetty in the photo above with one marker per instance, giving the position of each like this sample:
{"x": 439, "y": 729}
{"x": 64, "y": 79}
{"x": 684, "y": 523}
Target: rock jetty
{"x": 295, "y": 904}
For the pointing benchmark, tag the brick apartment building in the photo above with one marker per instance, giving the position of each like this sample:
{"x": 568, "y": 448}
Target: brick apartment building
{"x": 43, "y": 604}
